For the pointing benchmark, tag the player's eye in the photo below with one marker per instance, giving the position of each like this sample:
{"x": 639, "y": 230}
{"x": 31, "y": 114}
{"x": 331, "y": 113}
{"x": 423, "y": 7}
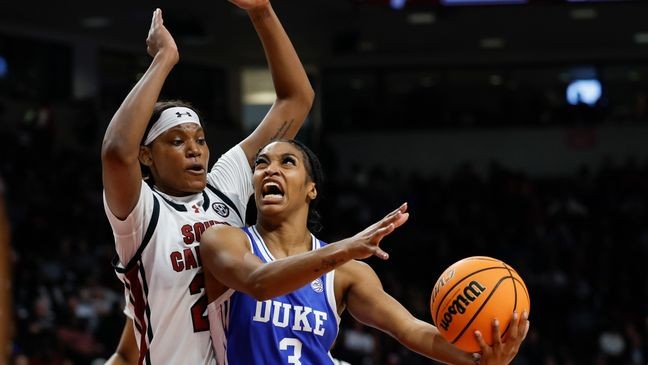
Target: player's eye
{"x": 260, "y": 161}
{"x": 289, "y": 160}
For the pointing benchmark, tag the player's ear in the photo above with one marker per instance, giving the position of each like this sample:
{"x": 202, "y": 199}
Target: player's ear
{"x": 145, "y": 157}
{"x": 312, "y": 191}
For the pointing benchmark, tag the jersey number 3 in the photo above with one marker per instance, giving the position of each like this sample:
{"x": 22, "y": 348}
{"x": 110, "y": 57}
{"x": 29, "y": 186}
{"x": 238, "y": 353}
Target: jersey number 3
{"x": 297, "y": 348}
{"x": 199, "y": 309}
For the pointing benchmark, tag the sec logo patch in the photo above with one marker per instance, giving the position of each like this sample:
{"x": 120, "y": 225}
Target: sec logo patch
{"x": 221, "y": 209}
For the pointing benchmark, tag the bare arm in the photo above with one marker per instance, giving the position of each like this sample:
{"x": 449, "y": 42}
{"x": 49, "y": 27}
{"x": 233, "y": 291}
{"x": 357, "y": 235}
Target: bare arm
{"x": 127, "y": 352}
{"x": 226, "y": 255}
{"x": 370, "y": 304}
{"x": 294, "y": 92}
{"x": 122, "y": 177}
{"x": 6, "y": 317}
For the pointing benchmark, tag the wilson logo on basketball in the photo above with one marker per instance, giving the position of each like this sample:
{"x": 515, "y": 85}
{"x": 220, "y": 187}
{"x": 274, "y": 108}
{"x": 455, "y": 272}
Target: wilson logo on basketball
{"x": 441, "y": 282}
{"x": 470, "y": 293}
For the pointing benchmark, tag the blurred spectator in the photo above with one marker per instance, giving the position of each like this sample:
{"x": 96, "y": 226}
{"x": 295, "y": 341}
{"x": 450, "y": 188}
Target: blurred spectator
{"x": 357, "y": 343}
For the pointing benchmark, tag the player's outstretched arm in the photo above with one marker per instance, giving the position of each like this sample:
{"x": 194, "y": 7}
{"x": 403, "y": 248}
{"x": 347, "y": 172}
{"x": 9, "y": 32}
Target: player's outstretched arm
{"x": 370, "y": 304}
{"x": 225, "y": 253}
{"x": 126, "y": 353}
{"x": 122, "y": 177}
{"x": 294, "y": 92}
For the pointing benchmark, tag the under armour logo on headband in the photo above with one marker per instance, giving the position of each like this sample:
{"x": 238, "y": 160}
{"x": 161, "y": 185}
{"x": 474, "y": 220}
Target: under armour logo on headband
{"x": 170, "y": 118}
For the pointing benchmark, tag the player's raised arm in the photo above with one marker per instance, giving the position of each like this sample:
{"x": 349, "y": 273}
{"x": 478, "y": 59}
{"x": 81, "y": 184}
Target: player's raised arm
{"x": 294, "y": 92}
{"x": 370, "y": 304}
{"x": 120, "y": 150}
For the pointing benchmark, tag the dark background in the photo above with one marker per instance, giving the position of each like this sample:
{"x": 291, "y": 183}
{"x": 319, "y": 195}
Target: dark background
{"x": 458, "y": 110}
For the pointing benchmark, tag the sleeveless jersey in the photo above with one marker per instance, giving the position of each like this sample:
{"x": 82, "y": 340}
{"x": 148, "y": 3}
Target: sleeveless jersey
{"x": 163, "y": 278}
{"x": 296, "y": 328}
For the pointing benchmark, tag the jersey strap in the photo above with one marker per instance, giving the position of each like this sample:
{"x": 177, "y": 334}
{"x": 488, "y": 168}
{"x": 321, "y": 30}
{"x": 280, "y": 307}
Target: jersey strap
{"x": 227, "y": 200}
{"x": 205, "y": 201}
{"x": 147, "y": 237}
{"x": 176, "y": 206}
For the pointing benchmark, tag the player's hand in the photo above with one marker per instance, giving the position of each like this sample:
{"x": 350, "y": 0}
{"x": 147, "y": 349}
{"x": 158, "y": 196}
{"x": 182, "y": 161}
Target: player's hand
{"x": 249, "y": 4}
{"x": 366, "y": 243}
{"x": 159, "y": 39}
{"x": 504, "y": 352}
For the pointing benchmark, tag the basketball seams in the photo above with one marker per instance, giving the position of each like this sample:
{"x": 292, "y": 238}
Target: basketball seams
{"x": 519, "y": 281}
{"x": 480, "y": 308}
{"x": 459, "y": 281}
{"x": 509, "y": 269}
{"x": 476, "y": 270}
{"x": 483, "y": 258}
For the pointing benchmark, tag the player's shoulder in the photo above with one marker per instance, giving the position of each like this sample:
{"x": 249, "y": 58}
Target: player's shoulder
{"x": 355, "y": 270}
{"x": 354, "y": 274}
{"x": 222, "y": 232}
{"x": 223, "y": 238}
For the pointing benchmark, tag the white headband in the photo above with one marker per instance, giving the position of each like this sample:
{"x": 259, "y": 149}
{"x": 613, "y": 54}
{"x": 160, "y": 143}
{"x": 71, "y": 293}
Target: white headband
{"x": 170, "y": 118}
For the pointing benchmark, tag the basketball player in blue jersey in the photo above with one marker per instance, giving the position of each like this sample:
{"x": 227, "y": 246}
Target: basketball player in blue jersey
{"x": 158, "y": 224}
{"x": 276, "y": 292}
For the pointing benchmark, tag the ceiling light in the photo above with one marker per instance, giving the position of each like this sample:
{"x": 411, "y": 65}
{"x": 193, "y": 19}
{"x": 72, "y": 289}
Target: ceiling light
{"x": 583, "y": 14}
{"x": 492, "y": 43}
{"x": 495, "y": 80}
{"x": 421, "y": 18}
{"x": 95, "y": 22}
{"x": 641, "y": 37}
{"x": 482, "y": 2}
{"x": 260, "y": 98}
{"x": 397, "y": 4}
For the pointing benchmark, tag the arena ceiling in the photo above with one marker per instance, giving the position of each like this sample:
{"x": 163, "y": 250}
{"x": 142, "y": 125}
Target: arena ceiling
{"x": 336, "y": 32}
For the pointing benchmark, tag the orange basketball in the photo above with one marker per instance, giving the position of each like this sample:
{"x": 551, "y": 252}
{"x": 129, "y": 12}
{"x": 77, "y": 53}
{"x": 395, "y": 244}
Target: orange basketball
{"x": 470, "y": 294}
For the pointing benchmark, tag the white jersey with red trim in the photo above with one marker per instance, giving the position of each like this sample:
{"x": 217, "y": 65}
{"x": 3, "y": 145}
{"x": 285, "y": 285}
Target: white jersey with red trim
{"x": 159, "y": 261}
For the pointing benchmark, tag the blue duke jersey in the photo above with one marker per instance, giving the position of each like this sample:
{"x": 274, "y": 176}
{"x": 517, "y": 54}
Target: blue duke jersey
{"x": 297, "y": 328}
{"x": 158, "y": 261}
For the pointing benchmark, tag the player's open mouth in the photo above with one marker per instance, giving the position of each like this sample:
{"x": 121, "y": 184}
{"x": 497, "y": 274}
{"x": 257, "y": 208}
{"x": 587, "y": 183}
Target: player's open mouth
{"x": 272, "y": 190}
{"x": 196, "y": 169}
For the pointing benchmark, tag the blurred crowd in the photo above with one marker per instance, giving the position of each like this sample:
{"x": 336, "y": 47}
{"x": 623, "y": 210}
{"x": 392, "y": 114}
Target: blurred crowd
{"x": 378, "y": 104}
{"x": 579, "y": 242}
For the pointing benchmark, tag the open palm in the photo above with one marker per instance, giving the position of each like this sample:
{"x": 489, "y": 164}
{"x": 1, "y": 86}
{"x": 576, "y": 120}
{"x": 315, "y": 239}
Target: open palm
{"x": 367, "y": 242}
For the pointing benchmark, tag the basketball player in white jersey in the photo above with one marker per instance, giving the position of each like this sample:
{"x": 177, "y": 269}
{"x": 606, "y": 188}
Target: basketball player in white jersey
{"x": 158, "y": 224}
{"x": 276, "y": 292}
